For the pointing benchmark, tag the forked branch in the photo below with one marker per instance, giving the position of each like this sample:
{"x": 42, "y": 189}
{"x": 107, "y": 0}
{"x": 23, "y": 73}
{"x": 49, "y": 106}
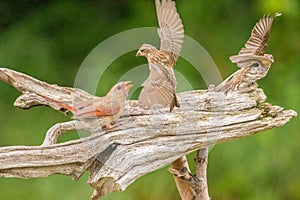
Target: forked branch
{"x": 143, "y": 141}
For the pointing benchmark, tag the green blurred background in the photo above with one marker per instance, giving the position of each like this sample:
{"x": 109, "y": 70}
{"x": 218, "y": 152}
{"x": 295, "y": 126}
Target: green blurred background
{"x": 50, "y": 39}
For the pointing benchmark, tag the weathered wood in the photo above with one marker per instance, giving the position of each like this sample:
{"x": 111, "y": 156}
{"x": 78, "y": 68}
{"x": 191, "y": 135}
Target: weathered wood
{"x": 201, "y": 161}
{"x": 191, "y": 187}
{"x": 183, "y": 178}
{"x": 143, "y": 142}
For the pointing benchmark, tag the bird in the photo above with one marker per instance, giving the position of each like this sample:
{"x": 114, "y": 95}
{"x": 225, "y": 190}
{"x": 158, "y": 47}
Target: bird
{"x": 106, "y": 109}
{"x": 252, "y": 59}
{"x": 159, "y": 89}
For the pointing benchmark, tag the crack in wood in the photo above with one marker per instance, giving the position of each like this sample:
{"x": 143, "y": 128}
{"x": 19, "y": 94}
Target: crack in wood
{"x": 144, "y": 140}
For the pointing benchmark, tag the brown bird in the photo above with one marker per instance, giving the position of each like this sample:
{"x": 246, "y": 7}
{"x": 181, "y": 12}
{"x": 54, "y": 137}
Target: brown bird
{"x": 252, "y": 60}
{"x": 107, "y": 109}
{"x": 160, "y": 86}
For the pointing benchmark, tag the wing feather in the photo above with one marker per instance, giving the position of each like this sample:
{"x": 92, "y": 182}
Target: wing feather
{"x": 170, "y": 30}
{"x": 95, "y": 108}
{"x": 155, "y": 94}
{"x": 159, "y": 88}
{"x": 256, "y": 45}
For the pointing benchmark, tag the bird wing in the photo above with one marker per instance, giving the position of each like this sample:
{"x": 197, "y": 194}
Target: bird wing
{"x": 159, "y": 88}
{"x": 96, "y": 107}
{"x": 256, "y": 45}
{"x": 155, "y": 94}
{"x": 230, "y": 82}
{"x": 170, "y": 30}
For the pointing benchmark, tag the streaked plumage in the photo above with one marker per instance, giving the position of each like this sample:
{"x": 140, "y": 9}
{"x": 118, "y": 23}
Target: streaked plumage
{"x": 252, "y": 60}
{"x": 244, "y": 79}
{"x": 256, "y": 45}
{"x": 160, "y": 86}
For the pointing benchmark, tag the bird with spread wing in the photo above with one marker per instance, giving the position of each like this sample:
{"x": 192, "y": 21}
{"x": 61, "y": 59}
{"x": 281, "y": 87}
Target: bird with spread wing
{"x": 160, "y": 86}
{"x": 252, "y": 59}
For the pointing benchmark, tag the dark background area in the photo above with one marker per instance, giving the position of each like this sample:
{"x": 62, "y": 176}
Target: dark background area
{"x": 50, "y": 39}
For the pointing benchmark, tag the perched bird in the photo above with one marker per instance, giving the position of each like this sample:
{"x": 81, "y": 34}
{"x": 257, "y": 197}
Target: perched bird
{"x": 252, "y": 60}
{"x": 106, "y": 109}
{"x": 160, "y": 86}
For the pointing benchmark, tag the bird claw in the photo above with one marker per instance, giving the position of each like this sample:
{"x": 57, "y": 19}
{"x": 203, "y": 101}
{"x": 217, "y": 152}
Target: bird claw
{"x": 109, "y": 126}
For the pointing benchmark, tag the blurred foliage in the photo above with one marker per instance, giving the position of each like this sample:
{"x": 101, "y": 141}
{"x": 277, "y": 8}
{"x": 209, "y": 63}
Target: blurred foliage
{"x": 50, "y": 39}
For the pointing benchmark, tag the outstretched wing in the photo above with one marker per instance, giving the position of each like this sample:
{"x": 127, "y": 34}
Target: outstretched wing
{"x": 170, "y": 30}
{"x": 256, "y": 45}
{"x": 95, "y": 108}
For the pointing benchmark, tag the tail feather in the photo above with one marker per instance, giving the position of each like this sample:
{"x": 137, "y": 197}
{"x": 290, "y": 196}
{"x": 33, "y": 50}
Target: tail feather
{"x": 61, "y": 104}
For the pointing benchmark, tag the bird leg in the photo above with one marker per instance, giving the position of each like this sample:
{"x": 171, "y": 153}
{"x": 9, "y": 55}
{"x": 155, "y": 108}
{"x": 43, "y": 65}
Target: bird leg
{"x": 109, "y": 126}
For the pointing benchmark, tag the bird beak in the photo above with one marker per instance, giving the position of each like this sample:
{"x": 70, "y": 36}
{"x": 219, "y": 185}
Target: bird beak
{"x": 128, "y": 85}
{"x": 138, "y": 54}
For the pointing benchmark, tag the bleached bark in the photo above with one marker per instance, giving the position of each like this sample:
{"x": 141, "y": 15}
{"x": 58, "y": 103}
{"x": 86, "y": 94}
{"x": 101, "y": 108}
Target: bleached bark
{"x": 143, "y": 141}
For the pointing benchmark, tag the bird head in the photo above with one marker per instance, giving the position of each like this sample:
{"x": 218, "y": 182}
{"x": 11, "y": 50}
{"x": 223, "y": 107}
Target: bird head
{"x": 259, "y": 69}
{"x": 145, "y": 50}
{"x": 270, "y": 57}
{"x": 267, "y": 60}
{"x": 120, "y": 90}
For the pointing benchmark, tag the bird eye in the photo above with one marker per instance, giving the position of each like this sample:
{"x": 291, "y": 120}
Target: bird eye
{"x": 119, "y": 87}
{"x": 255, "y": 65}
{"x": 142, "y": 50}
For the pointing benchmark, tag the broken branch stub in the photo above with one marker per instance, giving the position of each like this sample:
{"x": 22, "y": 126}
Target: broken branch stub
{"x": 143, "y": 141}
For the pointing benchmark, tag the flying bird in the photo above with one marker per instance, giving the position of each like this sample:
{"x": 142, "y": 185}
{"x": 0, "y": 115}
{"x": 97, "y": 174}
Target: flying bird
{"x": 252, "y": 59}
{"x": 160, "y": 86}
{"x": 105, "y": 109}
{"x": 255, "y": 47}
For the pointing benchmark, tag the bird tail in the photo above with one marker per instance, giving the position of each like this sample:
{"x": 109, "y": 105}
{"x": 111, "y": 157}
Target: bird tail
{"x": 61, "y": 104}
{"x": 228, "y": 84}
{"x": 174, "y": 103}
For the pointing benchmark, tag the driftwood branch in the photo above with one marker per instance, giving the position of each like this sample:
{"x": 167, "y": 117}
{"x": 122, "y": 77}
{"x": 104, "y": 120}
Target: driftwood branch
{"x": 201, "y": 173}
{"x": 183, "y": 177}
{"x": 143, "y": 141}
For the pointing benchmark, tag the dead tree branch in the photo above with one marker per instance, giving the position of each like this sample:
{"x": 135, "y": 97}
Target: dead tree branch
{"x": 142, "y": 142}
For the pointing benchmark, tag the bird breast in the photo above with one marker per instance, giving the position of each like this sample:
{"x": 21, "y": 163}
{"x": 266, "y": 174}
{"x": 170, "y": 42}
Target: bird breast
{"x": 160, "y": 57}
